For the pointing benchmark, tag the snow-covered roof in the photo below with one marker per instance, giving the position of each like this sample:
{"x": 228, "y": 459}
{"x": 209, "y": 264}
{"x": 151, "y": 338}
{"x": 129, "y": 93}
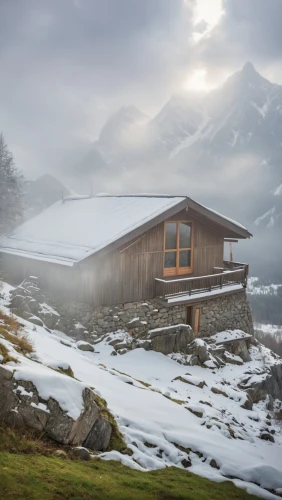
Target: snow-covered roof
{"x": 78, "y": 226}
{"x": 71, "y": 230}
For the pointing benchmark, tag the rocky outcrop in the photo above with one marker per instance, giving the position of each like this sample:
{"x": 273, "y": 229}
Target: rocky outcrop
{"x": 264, "y": 383}
{"x": 170, "y": 339}
{"x": 29, "y": 302}
{"x": 22, "y": 407}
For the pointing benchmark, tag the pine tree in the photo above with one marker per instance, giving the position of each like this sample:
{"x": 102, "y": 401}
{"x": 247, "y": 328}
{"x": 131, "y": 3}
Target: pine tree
{"x": 10, "y": 192}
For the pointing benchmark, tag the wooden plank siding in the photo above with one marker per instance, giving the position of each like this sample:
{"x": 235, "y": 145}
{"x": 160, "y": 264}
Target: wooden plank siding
{"x": 126, "y": 274}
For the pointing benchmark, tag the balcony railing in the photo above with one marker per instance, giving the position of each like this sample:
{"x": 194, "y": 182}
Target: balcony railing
{"x": 232, "y": 273}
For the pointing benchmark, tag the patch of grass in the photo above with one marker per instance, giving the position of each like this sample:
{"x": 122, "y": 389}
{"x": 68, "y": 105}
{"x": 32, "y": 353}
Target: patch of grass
{"x": 6, "y": 355}
{"x": 35, "y": 476}
{"x": 116, "y": 442}
{"x": 68, "y": 371}
{"x": 27, "y": 442}
{"x": 9, "y": 331}
{"x": 10, "y": 322}
{"x": 129, "y": 376}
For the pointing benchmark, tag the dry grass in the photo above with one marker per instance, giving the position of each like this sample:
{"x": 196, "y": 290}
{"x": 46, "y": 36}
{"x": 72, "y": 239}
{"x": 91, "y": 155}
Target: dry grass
{"x": 10, "y": 329}
{"x": 7, "y": 358}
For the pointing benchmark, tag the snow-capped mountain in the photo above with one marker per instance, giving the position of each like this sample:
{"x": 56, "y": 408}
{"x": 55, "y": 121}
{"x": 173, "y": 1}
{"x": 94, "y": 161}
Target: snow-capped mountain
{"x": 231, "y": 137}
{"x": 120, "y": 135}
{"x": 272, "y": 217}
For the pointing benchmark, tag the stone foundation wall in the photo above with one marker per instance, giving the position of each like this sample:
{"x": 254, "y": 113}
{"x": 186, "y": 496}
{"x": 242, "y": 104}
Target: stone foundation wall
{"x": 222, "y": 313}
{"x": 107, "y": 319}
{"x": 229, "y": 312}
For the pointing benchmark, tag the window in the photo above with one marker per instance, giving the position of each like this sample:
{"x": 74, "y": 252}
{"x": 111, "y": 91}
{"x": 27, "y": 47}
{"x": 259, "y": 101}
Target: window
{"x": 178, "y": 248}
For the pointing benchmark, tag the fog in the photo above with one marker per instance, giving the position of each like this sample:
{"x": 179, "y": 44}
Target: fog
{"x": 67, "y": 67}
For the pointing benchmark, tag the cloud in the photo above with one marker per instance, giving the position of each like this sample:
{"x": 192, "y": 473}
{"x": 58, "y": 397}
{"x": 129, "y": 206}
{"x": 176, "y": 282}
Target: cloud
{"x": 248, "y": 30}
{"x": 65, "y": 66}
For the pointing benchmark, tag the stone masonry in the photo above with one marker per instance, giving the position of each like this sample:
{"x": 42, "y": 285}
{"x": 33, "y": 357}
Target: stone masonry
{"x": 229, "y": 312}
{"x": 218, "y": 314}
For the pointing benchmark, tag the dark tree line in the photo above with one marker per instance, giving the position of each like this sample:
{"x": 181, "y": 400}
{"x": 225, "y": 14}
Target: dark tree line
{"x": 270, "y": 341}
{"x": 10, "y": 195}
{"x": 10, "y": 190}
{"x": 267, "y": 309}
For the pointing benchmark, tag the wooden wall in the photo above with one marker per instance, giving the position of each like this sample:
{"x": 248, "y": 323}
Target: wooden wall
{"x": 126, "y": 274}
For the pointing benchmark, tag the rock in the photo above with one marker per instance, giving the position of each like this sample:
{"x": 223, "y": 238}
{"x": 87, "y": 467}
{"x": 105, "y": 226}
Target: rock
{"x": 134, "y": 323}
{"x": 66, "y": 343}
{"x": 248, "y": 404}
{"x": 198, "y": 412}
{"x": 17, "y": 301}
{"x": 120, "y": 345}
{"x": 194, "y": 361}
{"x": 36, "y": 321}
{"x": 269, "y": 402}
{"x": 122, "y": 351}
{"x": 171, "y": 339}
{"x": 21, "y": 407}
{"x": 99, "y": 437}
{"x": 84, "y": 346}
{"x": 269, "y": 384}
{"x": 267, "y": 437}
{"x": 81, "y": 453}
{"x": 214, "y": 464}
{"x": 113, "y": 353}
{"x": 215, "y": 390}
{"x": 232, "y": 358}
{"x": 64, "y": 429}
{"x": 240, "y": 348}
{"x": 114, "y": 342}
{"x": 203, "y": 354}
{"x": 186, "y": 463}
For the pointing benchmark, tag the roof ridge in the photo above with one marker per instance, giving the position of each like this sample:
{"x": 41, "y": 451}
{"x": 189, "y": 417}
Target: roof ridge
{"x": 105, "y": 195}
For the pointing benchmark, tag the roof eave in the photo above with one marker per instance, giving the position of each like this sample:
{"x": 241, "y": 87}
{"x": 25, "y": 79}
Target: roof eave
{"x": 237, "y": 230}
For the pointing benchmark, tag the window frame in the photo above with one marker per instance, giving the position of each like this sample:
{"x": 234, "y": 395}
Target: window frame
{"x": 178, "y": 271}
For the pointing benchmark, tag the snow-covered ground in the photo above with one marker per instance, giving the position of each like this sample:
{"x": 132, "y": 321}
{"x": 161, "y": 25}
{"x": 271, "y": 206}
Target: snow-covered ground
{"x": 254, "y": 288}
{"x": 159, "y": 413}
{"x": 274, "y": 330}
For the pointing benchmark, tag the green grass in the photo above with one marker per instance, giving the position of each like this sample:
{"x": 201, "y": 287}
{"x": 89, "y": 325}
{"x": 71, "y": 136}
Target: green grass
{"x": 30, "y": 471}
{"x": 36, "y": 477}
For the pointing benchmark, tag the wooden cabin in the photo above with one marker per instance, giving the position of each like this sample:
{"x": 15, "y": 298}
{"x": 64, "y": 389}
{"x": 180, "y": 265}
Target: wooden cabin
{"x": 107, "y": 250}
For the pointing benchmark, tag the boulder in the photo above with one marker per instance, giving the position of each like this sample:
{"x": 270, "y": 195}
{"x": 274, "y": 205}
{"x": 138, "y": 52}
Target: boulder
{"x": 85, "y": 346}
{"x": 248, "y": 404}
{"x": 171, "y": 339}
{"x": 264, "y": 385}
{"x": 36, "y": 321}
{"x": 267, "y": 437}
{"x": 64, "y": 429}
{"x": 99, "y": 436}
{"x": 232, "y": 358}
{"x": 22, "y": 407}
{"x": 134, "y": 323}
{"x": 81, "y": 453}
{"x": 240, "y": 348}
{"x": 186, "y": 462}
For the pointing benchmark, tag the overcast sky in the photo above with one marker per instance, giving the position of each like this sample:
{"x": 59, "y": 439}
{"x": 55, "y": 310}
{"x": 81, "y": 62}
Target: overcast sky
{"x": 66, "y": 65}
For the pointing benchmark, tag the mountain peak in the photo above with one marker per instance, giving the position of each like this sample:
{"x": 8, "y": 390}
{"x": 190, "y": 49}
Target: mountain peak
{"x": 249, "y": 68}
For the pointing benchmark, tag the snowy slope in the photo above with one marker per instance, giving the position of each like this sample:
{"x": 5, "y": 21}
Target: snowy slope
{"x": 156, "y": 412}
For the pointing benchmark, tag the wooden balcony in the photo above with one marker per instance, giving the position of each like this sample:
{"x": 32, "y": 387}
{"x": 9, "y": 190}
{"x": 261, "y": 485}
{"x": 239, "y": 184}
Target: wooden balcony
{"x": 231, "y": 276}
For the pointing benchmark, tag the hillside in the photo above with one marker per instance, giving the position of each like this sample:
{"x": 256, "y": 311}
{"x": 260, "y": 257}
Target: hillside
{"x": 169, "y": 414}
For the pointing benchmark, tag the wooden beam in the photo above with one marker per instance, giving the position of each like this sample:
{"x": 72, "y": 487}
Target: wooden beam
{"x": 230, "y": 240}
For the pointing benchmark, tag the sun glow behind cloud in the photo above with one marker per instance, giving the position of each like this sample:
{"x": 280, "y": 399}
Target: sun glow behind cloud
{"x": 207, "y": 14}
{"x": 197, "y": 81}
